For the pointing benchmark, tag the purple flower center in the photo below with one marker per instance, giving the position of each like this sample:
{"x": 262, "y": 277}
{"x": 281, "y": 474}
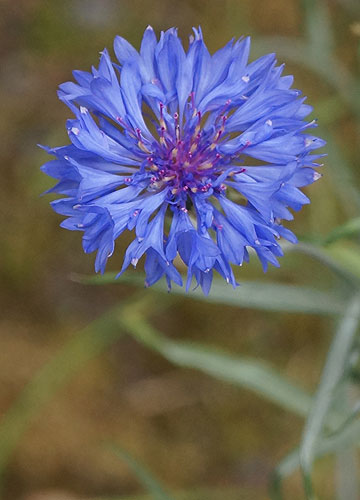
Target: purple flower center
{"x": 185, "y": 157}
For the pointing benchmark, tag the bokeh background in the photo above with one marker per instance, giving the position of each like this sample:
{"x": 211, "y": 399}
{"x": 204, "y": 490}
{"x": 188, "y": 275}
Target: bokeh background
{"x": 190, "y": 430}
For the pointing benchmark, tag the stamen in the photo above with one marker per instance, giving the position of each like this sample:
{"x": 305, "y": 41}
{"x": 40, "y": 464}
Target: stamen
{"x": 143, "y": 147}
{"x": 177, "y": 126}
{"x": 198, "y": 126}
{"x": 183, "y": 163}
{"x": 162, "y": 136}
{"x": 205, "y": 166}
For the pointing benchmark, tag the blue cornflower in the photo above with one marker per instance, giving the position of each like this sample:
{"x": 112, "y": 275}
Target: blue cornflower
{"x": 200, "y": 155}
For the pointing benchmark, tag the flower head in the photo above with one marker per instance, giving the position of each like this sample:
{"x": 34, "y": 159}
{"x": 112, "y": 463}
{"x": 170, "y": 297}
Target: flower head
{"x": 200, "y": 155}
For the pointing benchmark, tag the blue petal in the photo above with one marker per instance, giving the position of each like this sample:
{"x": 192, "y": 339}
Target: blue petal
{"x": 124, "y": 51}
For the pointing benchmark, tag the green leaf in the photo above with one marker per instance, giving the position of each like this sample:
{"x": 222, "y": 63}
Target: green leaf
{"x": 347, "y": 481}
{"x": 349, "y": 436}
{"x": 334, "y": 369}
{"x": 318, "y": 29}
{"x": 247, "y": 373}
{"x": 312, "y": 443}
{"x": 350, "y": 228}
{"x": 147, "y": 479}
{"x": 252, "y": 295}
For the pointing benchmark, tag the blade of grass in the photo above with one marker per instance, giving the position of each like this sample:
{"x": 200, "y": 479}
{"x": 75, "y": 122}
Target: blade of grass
{"x": 318, "y": 29}
{"x": 348, "y": 436}
{"x": 346, "y": 479}
{"x": 243, "y": 372}
{"x": 345, "y": 434}
{"x": 347, "y": 484}
{"x": 350, "y": 228}
{"x": 145, "y": 477}
{"x": 253, "y": 295}
{"x": 332, "y": 373}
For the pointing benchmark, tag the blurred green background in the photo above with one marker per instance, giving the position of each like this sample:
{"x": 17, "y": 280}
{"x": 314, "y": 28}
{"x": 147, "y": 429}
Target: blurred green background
{"x": 191, "y": 430}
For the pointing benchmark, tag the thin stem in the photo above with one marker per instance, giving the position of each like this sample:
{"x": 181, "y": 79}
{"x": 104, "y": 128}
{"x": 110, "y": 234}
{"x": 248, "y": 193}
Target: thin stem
{"x": 332, "y": 373}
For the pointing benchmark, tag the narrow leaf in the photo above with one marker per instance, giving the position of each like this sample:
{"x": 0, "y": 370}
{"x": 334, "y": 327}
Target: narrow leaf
{"x": 247, "y": 373}
{"x": 318, "y": 28}
{"x": 252, "y": 295}
{"x": 350, "y": 228}
{"x": 332, "y": 373}
{"x": 348, "y": 436}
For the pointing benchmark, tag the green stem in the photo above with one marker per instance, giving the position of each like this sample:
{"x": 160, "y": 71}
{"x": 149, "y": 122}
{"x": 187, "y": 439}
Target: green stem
{"x": 332, "y": 373}
{"x": 347, "y": 484}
